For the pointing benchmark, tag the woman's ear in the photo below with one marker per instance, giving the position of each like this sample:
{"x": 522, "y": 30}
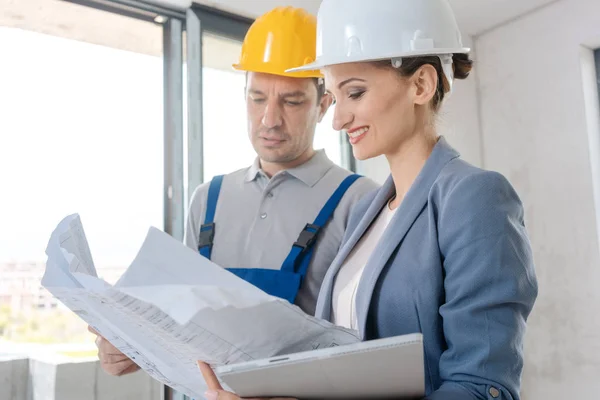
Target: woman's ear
{"x": 425, "y": 80}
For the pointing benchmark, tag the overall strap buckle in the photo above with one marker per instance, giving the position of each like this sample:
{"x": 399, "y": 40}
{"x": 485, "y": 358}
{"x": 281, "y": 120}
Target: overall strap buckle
{"x": 207, "y": 235}
{"x": 307, "y": 237}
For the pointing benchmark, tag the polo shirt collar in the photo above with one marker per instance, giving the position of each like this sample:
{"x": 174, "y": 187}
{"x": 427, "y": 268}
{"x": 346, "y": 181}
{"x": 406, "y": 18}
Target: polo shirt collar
{"x": 310, "y": 172}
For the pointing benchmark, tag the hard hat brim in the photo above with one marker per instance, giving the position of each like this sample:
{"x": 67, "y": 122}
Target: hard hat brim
{"x": 275, "y": 71}
{"x": 323, "y": 62}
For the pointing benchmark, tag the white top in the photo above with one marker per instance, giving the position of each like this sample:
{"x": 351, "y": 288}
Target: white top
{"x": 347, "y": 279}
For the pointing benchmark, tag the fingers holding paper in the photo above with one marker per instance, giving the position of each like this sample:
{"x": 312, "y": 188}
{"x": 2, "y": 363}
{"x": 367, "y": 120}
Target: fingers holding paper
{"x": 215, "y": 390}
{"x": 112, "y": 360}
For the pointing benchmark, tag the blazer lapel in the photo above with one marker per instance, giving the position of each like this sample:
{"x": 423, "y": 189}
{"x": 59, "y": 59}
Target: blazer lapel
{"x": 410, "y": 208}
{"x": 323, "y": 308}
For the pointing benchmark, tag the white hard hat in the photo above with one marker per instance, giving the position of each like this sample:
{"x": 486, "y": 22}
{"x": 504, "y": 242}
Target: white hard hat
{"x": 362, "y": 30}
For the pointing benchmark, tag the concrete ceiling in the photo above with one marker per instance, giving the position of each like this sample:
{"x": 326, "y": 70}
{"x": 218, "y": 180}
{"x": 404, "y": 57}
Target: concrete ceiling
{"x": 474, "y": 16}
{"x": 478, "y": 16}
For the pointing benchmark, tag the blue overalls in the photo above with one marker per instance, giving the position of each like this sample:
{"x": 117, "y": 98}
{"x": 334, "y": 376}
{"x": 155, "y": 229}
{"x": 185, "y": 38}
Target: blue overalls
{"x": 285, "y": 282}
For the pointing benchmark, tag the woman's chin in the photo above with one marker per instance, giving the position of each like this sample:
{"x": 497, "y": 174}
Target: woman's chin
{"x": 363, "y": 153}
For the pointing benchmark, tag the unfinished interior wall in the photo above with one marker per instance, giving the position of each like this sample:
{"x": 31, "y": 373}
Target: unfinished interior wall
{"x": 535, "y": 131}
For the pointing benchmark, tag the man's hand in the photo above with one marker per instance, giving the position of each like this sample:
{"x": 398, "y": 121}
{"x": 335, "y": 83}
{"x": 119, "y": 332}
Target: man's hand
{"x": 215, "y": 390}
{"x": 113, "y": 362}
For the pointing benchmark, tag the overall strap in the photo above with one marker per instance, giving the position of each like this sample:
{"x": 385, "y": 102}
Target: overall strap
{"x": 301, "y": 253}
{"x": 207, "y": 230}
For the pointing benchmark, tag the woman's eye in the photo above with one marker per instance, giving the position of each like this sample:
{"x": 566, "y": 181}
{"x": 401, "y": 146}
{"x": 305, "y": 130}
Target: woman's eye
{"x": 356, "y": 95}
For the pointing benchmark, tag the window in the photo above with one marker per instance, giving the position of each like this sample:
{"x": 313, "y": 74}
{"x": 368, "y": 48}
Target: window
{"x": 594, "y": 139}
{"x": 226, "y": 144}
{"x": 328, "y": 139}
{"x": 597, "y": 59}
{"x": 82, "y": 132}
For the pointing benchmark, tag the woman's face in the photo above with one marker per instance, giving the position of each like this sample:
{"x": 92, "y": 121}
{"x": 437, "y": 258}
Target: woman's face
{"x": 375, "y": 106}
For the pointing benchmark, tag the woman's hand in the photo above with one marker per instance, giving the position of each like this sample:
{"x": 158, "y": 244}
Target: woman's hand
{"x": 215, "y": 390}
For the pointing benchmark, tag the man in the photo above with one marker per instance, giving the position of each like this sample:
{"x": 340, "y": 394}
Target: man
{"x": 279, "y": 223}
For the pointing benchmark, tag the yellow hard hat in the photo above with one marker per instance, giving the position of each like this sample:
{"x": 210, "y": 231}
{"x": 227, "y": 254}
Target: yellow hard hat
{"x": 281, "y": 39}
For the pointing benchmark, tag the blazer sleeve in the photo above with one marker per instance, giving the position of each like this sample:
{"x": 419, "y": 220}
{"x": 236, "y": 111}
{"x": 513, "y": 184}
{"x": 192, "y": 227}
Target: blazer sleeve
{"x": 490, "y": 288}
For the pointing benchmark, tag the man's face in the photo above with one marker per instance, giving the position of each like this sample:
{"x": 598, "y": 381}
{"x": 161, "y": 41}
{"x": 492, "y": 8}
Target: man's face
{"x": 283, "y": 113}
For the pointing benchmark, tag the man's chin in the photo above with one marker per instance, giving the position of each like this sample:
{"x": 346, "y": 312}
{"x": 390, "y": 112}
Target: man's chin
{"x": 272, "y": 156}
{"x": 275, "y": 160}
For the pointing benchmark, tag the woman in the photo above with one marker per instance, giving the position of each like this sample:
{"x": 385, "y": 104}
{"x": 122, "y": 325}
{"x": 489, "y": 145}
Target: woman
{"x": 441, "y": 248}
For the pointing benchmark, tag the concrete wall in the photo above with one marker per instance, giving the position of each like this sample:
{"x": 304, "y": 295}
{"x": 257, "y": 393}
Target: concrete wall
{"x": 535, "y": 131}
{"x": 14, "y": 372}
{"x": 39, "y": 379}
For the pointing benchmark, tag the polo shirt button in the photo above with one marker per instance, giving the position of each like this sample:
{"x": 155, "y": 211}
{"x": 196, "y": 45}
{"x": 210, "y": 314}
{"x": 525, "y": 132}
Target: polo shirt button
{"x": 263, "y": 216}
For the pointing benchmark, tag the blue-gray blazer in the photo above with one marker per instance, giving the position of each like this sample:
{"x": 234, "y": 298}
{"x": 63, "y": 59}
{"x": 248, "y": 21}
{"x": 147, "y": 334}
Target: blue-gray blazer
{"x": 455, "y": 264}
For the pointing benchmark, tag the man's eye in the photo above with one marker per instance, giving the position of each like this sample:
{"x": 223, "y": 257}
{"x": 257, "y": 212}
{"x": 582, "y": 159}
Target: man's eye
{"x": 293, "y": 103}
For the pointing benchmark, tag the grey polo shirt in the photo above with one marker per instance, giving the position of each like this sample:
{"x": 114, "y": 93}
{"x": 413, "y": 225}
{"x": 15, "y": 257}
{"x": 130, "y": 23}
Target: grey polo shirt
{"x": 257, "y": 219}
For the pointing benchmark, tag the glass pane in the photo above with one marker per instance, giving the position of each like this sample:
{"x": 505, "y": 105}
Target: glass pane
{"x": 328, "y": 139}
{"x": 226, "y": 144}
{"x": 81, "y": 132}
